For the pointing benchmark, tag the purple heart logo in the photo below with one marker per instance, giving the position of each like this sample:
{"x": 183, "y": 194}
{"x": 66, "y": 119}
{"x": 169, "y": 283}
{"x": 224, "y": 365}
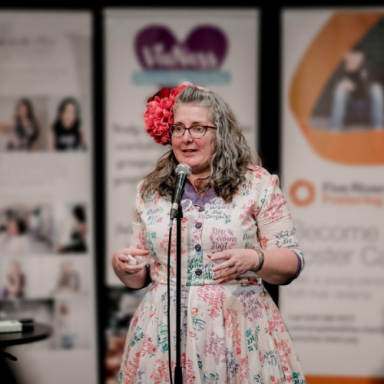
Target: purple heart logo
{"x": 204, "y": 49}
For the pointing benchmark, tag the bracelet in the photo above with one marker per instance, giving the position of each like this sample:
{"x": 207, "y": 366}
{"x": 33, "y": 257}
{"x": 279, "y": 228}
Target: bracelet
{"x": 148, "y": 279}
{"x": 261, "y": 260}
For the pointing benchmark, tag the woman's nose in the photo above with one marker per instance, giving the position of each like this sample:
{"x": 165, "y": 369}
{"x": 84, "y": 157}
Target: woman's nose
{"x": 187, "y": 138}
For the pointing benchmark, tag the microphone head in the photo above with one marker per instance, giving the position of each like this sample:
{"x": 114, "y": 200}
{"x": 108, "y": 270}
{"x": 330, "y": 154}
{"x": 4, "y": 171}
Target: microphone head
{"x": 184, "y": 168}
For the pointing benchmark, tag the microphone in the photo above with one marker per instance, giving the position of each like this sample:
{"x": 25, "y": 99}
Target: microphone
{"x": 183, "y": 171}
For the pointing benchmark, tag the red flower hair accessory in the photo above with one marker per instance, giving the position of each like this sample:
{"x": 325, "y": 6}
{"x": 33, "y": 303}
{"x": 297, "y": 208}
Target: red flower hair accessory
{"x": 159, "y": 113}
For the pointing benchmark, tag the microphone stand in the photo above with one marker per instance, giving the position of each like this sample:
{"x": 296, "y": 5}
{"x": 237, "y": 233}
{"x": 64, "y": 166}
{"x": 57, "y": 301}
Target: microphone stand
{"x": 178, "y": 368}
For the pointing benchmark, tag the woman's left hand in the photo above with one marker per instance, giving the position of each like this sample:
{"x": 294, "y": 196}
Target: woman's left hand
{"x": 237, "y": 262}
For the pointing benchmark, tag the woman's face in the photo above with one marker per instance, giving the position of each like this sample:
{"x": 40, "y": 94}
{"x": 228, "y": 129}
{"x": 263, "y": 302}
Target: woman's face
{"x": 22, "y": 111}
{"x": 12, "y": 228}
{"x": 15, "y": 269}
{"x": 194, "y": 152}
{"x": 69, "y": 115}
{"x": 66, "y": 268}
{"x": 353, "y": 60}
{"x": 63, "y": 309}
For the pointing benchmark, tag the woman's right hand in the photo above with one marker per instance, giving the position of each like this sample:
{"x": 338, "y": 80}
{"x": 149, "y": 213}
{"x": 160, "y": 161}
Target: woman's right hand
{"x": 120, "y": 261}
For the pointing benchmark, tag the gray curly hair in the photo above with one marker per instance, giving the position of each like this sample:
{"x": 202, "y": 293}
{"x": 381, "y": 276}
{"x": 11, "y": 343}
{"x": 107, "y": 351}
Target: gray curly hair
{"x": 231, "y": 160}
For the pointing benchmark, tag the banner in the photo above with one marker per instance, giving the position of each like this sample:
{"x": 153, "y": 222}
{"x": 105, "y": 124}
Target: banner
{"x": 333, "y": 168}
{"x": 145, "y": 51}
{"x": 46, "y": 239}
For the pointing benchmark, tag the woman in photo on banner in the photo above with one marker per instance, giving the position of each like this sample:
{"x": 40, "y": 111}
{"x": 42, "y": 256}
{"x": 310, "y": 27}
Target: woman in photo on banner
{"x": 66, "y": 134}
{"x": 236, "y": 232}
{"x": 23, "y": 132}
{"x": 15, "y": 282}
{"x": 14, "y": 235}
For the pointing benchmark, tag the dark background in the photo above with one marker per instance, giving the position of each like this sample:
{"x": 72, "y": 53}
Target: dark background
{"x": 268, "y": 116}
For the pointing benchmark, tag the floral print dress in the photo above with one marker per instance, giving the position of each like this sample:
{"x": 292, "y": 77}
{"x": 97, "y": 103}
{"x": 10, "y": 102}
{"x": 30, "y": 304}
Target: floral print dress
{"x": 232, "y": 333}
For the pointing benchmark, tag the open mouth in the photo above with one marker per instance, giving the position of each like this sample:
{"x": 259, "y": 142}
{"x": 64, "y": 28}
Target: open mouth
{"x": 189, "y": 150}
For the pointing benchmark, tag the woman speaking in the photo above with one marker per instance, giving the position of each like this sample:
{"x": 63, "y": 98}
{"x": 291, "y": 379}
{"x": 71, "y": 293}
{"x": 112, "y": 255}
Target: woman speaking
{"x": 236, "y": 232}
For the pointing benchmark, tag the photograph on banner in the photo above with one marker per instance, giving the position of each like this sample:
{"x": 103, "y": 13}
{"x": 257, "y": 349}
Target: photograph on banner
{"x": 341, "y": 110}
{"x": 14, "y": 278}
{"x": 66, "y": 132}
{"x": 122, "y": 304}
{"x": 72, "y": 276}
{"x": 23, "y": 124}
{"x": 41, "y": 123}
{"x": 352, "y": 99}
{"x": 147, "y": 51}
{"x": 42, "y": 277}
{"x": 26, "y": 229}
{"x": 46, "y": 228}
{"x": 69, "y": 279}
{"x": 72, "y": 228}
{"x": 72, "y": 316}
{"x": 51, "y": 277}
{"x": 333, "y": 171}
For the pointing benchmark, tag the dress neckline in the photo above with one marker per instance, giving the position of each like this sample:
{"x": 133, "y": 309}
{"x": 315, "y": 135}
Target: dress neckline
{"x": 191, "y": 194}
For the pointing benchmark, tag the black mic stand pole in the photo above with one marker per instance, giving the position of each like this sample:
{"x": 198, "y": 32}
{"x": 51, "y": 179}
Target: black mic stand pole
{"x": 178, "y": 368}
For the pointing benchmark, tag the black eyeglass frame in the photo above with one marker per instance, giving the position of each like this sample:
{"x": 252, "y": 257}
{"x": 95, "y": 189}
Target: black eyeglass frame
{"x": 206, "y": 127}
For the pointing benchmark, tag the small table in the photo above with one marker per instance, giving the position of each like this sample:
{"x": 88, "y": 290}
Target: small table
{"x": 39, "y": 332}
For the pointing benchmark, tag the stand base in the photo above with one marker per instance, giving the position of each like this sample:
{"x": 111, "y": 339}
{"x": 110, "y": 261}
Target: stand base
{"x": 8, "y": 356}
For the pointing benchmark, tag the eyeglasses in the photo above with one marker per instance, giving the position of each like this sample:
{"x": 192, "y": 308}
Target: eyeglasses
{"x": 196, "y": 132}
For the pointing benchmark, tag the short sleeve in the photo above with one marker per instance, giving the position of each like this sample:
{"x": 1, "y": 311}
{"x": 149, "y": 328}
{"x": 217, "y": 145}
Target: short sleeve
{"x": 274, "y": 222}
{"x": 137, "y": 237}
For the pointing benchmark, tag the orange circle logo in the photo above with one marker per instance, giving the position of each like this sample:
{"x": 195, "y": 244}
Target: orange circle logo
{"x": 302, "y": 193}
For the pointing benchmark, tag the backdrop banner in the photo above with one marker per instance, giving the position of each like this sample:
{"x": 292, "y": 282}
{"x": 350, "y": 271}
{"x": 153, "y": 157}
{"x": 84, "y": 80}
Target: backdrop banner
{"x": 145, "y": 51}
{"x": 46, "y": 239}
{"x": 333, "y": 168}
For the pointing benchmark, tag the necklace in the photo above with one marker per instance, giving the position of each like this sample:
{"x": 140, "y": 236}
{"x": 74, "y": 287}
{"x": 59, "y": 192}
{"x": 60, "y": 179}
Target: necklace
{"x": 201, "y": 185}
{"x": 202, "y": 191}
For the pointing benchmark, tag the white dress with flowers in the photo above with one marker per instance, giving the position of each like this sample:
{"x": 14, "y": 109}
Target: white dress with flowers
{"x": 231, "y": 333}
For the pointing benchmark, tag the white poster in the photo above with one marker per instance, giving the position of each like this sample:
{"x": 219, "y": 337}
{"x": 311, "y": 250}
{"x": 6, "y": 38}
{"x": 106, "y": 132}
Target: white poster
{"x": 46, "y": 239}
{"x": 333, "y": 168}
{"x": 147, "y": 50}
